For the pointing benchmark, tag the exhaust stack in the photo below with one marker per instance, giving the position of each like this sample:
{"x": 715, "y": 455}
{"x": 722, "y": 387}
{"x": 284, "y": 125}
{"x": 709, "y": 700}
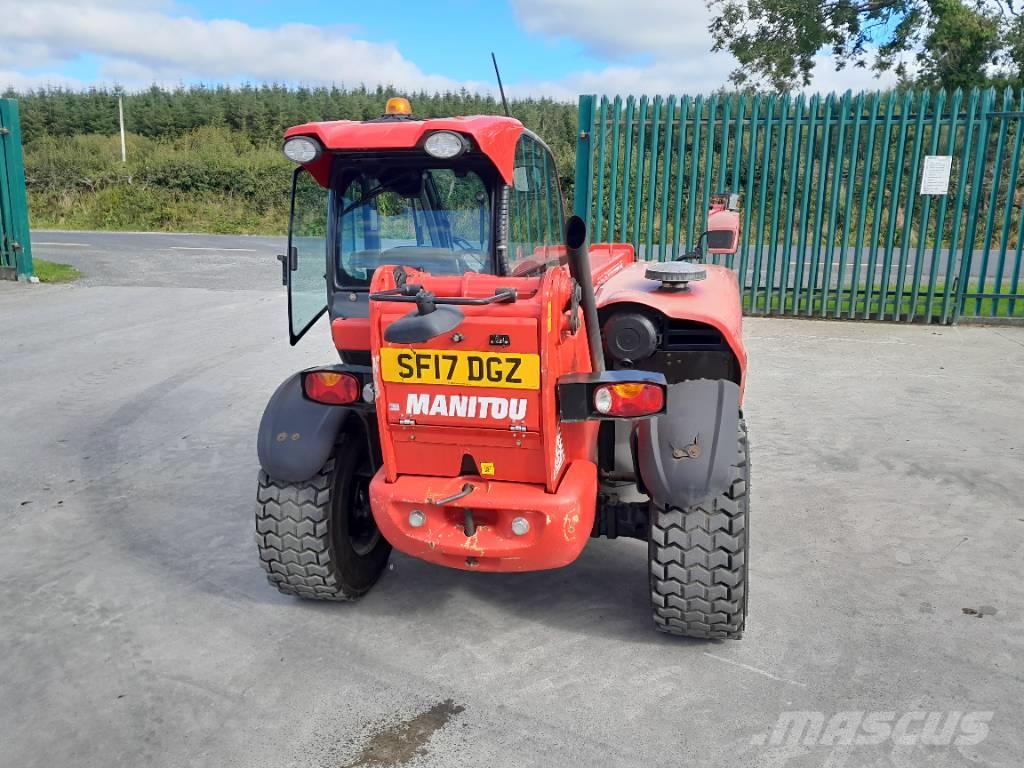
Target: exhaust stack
{"x": 579, "y": 268}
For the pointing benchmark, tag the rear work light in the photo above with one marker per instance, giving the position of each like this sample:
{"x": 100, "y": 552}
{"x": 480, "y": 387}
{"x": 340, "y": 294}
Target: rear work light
{"x": 445, "y": 145}
{"x": 301, "y": 149}
{"x": 629, "y": 399}
{"x": 331, "y": 387}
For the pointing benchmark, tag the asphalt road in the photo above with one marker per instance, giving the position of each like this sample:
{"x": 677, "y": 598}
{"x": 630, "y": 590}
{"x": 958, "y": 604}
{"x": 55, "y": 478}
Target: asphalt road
{"x": 158, "y": 259}
{"x": 137, "y": 628}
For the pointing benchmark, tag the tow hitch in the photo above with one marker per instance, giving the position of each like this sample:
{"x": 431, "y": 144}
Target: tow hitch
{"x": 469, "y": 526}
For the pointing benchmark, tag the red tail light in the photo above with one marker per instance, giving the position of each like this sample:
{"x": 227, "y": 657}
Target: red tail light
{"x": 632, "y": 399}
{"x": 331, "y": 388}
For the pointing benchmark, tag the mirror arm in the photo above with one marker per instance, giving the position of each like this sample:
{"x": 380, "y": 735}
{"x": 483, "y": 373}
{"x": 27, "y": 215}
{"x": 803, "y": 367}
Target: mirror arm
{"x": 697, "y": 254}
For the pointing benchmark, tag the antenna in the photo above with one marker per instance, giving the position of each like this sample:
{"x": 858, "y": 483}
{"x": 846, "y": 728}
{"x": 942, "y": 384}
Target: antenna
{"x": 501, "y": 88}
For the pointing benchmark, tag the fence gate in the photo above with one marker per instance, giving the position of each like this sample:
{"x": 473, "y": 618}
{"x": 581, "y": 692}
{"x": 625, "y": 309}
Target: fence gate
{"x": 15, "y": 249}
{"x": 835, "y": 221}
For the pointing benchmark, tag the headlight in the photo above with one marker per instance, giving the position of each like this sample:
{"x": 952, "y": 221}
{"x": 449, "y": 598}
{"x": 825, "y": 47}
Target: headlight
{"x": 445, "y": 145}
{"x": 301, "y": 149}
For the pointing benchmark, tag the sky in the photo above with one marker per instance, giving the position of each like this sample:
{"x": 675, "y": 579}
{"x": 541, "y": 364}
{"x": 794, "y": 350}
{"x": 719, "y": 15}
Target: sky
{"x": 555, "y": 48}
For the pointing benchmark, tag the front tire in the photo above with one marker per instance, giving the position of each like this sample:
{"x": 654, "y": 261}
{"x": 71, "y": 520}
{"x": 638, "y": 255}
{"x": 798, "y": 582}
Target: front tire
{"x": 698, "y": 560}
{"x": 317, "y": 539}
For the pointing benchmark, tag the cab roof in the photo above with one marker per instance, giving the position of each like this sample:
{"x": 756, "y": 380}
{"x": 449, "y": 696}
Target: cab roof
{"x": 495, "y": 136}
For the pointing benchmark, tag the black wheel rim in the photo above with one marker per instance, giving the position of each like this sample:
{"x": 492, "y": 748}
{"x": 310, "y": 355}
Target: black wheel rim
{"x": 363, "y": 533}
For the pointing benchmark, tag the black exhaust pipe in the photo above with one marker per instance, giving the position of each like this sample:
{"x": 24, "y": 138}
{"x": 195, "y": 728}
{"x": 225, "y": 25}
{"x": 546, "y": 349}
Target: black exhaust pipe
{"x": 579, "y": 268}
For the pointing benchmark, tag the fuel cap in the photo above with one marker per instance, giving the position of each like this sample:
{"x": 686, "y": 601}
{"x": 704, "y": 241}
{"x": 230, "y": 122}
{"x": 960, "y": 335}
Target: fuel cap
{"x": 675, "y": 275}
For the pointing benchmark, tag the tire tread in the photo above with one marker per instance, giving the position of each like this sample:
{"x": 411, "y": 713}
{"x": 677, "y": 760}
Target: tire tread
{"x": 698, "y": 560}
{"x": 293, "y": 538}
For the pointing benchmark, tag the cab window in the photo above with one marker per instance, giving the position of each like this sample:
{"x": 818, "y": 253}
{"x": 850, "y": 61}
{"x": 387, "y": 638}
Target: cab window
{"x": 535, "y": 215}
{"x": 434, "y": 219}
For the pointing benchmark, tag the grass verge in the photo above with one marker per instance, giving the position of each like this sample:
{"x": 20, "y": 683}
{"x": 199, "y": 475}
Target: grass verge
{"x": 990, "y": 304}
{"x": 54, "y": 272}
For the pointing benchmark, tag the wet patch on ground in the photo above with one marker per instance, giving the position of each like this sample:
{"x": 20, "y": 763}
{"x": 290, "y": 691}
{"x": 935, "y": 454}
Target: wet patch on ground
{"x": 395, "y": 745}
{"x": 980, "y": 611}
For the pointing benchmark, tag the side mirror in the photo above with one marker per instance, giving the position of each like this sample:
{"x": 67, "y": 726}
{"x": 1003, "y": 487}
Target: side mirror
{"x": 723, "y": 231}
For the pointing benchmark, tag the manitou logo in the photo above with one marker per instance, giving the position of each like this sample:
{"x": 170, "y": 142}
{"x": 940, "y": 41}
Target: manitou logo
{"x": 467, "y": 407}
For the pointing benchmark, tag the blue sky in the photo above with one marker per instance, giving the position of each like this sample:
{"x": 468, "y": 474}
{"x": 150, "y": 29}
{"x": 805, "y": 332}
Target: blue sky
{"x": 557, "y": 48}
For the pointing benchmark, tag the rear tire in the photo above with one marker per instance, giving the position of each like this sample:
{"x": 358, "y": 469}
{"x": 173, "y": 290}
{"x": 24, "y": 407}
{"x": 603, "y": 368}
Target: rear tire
{"x": 317, "y": 539}
{"x": 698, "y": 560}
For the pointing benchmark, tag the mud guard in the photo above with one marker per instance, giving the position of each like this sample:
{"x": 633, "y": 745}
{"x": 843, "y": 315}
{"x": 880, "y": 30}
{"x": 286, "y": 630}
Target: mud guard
{"x": 296, "y": 435}
{"x": 687, "y": 455}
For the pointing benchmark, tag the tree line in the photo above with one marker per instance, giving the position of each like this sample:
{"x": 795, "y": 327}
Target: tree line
{"x": 208, "y": 158}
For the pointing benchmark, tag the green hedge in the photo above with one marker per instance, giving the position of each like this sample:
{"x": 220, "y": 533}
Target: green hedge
{"x": 211, "y": 180}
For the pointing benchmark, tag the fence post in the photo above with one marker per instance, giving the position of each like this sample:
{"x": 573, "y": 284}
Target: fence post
{"x": 981, "y": 148}
{"x": 584, "y": 187}
{"x": 602, "y": 133}
{"x": 12, "y": 189}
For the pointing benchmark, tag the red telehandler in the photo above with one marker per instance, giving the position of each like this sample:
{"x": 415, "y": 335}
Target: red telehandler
{"x": 504, "y": 392}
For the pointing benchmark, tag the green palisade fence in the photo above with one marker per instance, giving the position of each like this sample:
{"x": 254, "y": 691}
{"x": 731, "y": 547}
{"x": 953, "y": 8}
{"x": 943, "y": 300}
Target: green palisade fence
{"x": 834, "y": 225}
{"x": 15, "y": 249}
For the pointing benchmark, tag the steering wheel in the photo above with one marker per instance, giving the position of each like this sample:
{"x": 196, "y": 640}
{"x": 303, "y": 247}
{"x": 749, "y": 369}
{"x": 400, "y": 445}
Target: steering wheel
{"x": 467, "y": 250}
{"x": 471, "y": 261}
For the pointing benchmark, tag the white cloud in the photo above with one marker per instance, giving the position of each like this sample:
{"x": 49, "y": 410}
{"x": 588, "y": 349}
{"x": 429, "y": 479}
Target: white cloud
{"x": 680, "y": 76}
{"x": 826, "y": 79}
{"x": 141, "y": 42}
{"x": 659, "y": 46}
{"x": 20, "y": 81}
{"x": 613, "y": 28}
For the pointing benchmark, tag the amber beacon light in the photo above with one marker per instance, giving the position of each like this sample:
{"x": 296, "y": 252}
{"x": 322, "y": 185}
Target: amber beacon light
{"x": 398, "y": 106}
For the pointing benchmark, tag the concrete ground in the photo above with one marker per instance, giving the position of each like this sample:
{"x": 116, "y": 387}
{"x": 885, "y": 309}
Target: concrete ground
{"x": 137, "y": 629}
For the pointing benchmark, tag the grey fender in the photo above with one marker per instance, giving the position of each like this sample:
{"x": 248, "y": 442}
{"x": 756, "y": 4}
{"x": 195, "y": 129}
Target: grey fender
{"x": 688, "y": 455}
{"x": 296, "y": 434}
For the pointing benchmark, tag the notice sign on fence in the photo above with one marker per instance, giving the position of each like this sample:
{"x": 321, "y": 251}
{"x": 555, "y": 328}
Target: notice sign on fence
{"x": 935, "y": 174}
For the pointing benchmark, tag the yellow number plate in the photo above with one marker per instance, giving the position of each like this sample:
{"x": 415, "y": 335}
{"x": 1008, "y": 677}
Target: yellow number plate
{"x": 465, "y": 369}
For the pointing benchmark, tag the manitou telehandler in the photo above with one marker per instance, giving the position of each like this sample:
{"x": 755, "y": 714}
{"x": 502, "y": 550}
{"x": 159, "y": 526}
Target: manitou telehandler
{"x": 504, "y": 392}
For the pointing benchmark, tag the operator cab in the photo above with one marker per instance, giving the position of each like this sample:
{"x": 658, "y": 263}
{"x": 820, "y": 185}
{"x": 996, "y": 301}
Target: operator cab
{"x": 448, "y": 197}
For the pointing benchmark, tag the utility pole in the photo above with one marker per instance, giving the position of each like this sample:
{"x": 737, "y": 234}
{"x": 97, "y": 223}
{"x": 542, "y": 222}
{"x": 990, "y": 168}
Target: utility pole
{"x": 120, "y": 116}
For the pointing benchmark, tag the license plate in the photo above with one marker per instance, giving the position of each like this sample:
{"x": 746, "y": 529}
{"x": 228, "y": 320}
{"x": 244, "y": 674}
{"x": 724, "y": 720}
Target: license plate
{"x": 465, "y": 369}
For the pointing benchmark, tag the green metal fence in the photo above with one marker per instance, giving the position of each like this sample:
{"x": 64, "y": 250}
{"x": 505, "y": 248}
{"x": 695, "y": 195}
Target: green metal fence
{"x": 834, "y": 222}
{"x": 15, "y": 248}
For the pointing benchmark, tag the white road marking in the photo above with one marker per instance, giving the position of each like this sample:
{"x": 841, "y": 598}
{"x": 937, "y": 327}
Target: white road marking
{"x": 755, "y": 669}
{"x": 198, "y": 248}
{"x": 66, "y": 245}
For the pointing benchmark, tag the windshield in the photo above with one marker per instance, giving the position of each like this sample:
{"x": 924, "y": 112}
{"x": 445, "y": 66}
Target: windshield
{"x": 434, "y": 219}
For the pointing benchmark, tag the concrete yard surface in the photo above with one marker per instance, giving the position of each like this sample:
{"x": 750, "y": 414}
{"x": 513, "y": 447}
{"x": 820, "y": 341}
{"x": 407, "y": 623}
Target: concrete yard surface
{"x": 137, "y": 628}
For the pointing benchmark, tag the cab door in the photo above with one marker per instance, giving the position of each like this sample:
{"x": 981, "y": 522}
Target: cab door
{"x": 535, "y": 212}
{"x": 305, "y": 267}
